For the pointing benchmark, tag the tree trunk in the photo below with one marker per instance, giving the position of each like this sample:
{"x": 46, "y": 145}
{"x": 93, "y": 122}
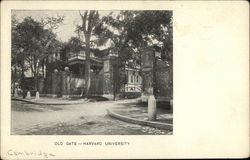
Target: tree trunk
{"x": 14, "y": 81}
{"x": 154, "y": 75}
{"x": 35, "y": 74}
{"x": 87, "y": 66}
{"x": 36, "y": 84}
{"x": 22, "y": 80}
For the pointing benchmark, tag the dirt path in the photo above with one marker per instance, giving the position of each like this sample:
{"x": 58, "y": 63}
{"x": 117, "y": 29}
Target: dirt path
{"x": 89, "y": 118}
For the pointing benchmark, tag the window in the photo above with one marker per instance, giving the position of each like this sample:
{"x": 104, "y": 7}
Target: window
{"x": 137, "y": 79}
{"x": 131, "y": 79}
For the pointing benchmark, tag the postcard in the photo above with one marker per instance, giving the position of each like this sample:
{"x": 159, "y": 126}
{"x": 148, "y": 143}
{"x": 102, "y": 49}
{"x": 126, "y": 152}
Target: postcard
{"x": 124, "y": 79}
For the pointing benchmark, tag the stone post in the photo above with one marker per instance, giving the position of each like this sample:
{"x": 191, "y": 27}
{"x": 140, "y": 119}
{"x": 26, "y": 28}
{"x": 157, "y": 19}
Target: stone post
{"x": 15, "y": 93}
{"x": 65, "y": 83}
{"x": 37, "y": 95}
{"x": 151, "y": 108}
{"x": 54, "y": 83}
{"x": 28, "y": 95}
{"x": 171, "y": 104}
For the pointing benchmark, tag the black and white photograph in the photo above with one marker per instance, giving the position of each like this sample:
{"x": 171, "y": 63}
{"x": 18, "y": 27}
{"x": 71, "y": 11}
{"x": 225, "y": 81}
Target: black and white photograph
{"x": 92, "y": 72}
{"x": 93, "y": 79}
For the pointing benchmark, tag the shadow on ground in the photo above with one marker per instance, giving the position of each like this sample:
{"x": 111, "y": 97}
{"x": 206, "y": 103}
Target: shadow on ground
{"x": 98, "y": 126}
{"x": 140, "y": 111}
{"x": 26, "y": 107}
{"x": 92, "y": 98}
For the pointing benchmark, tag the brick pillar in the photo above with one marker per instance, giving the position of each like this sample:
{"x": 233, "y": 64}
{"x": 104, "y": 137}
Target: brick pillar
{"x": 109, "y": 69}
{"x": 148, "y": 82}
{"x": 40, "y": 84}
{"x": 65, "y": 83}
{"x": 54, "y": 83}
{"x": 147, "y": 73}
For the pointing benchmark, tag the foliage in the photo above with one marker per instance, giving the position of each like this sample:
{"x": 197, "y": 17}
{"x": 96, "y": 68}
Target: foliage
{"x": 138, "y": 29}
{"x": 125, "y": 34}
{"x": 74, "y": 45}
{"x": 31, "y": 43}
{"x": 131, "y": 31}
{"x": 52, "y": 23}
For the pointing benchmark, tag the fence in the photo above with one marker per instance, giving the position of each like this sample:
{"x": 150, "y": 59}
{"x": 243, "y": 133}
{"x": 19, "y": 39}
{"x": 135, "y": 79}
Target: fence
{"x": 163, "y": 87}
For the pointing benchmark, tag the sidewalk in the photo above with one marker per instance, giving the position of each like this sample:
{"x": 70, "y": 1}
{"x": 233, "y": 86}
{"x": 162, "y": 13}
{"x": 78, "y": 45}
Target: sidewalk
{"x": 137, "y": 113}
{"x": 50, "y": 101}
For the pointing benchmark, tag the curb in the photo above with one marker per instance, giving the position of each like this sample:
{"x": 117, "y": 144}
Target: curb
{"x": 140, "y": 122}
{"x": 41, "y": 103}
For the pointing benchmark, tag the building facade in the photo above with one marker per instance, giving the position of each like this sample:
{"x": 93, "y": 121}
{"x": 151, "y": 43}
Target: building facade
{"x": 133, "y": 79}
{"x": 70, "y": 76}
{"x": 65, "y": 77}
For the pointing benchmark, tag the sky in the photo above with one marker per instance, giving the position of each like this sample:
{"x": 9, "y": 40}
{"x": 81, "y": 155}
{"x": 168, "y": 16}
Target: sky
{"x": 71, "y": 19}
{"x": 64, "y": 31}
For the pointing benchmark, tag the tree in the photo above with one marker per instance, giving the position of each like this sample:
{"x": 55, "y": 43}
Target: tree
{"x": 15, "y": 57}
{"x": 116, "y": 28}
{"x": 131, "y": 31}
{"x": 31, "y": 37}
{"x": 154, "y": 29}
{"x": 74, "y": 45}
{"x": 32, "y": 43}
{"x": 90, "y": 19}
